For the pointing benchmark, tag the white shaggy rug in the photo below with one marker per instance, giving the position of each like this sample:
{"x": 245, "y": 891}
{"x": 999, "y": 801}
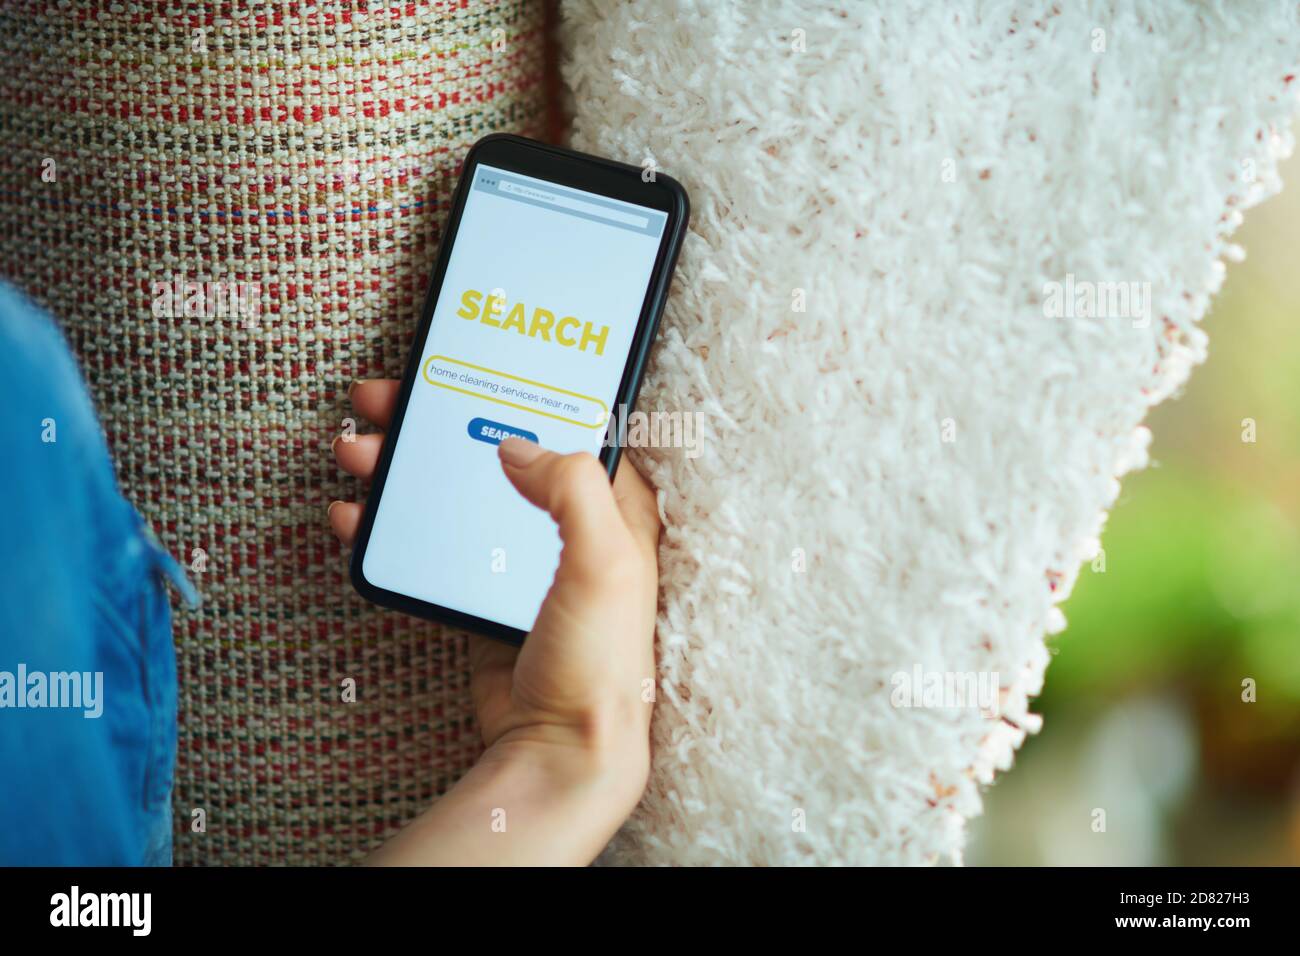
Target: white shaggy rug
{"x": 902, "y": 479}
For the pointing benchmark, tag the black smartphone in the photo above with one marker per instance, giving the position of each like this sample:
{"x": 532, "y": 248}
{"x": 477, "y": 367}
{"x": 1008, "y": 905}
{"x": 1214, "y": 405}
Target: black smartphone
{"x": 545, "y": 297}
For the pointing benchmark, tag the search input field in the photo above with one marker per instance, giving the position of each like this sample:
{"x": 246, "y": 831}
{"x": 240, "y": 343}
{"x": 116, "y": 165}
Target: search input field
{"x": 565, "y": 201}
{"x": 512, "y": 391}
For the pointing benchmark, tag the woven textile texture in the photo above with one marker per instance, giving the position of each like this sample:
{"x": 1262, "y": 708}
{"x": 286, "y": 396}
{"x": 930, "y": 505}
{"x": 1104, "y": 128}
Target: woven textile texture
{"x": 303, "y": 155}
{"x": 911, "y": 443}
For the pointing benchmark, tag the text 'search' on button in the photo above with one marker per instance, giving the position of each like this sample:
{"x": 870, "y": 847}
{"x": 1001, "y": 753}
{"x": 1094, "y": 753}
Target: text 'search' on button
{"x": 494, "y": 433}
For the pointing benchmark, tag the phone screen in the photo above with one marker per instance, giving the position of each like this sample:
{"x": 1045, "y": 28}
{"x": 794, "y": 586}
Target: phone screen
{"x": 529, "y": 336}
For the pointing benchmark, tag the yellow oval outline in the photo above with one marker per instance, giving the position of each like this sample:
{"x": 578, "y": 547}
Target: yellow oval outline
{"x": 424, "y": 373}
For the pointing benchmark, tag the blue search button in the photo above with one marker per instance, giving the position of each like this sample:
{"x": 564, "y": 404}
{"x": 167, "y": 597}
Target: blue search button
{"x": 494, "y": 433}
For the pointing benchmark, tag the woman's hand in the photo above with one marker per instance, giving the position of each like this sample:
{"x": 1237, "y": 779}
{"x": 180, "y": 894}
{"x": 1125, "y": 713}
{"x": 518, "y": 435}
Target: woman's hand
{"x": 566, "y": 718}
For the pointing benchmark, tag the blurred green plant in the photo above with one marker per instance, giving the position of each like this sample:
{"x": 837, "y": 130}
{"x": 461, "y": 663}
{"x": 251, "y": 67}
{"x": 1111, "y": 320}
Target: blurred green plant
{"x": 1200, "y": 582}
{"x": 1198, "y": 603}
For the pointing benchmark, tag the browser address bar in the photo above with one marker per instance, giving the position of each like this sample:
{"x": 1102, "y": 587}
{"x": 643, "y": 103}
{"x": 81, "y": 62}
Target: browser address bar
{"x": 570, "y": 202}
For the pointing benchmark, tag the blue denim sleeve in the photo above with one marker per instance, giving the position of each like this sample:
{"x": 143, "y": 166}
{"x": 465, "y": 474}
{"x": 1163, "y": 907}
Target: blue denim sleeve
{"x": 87, "y": 666}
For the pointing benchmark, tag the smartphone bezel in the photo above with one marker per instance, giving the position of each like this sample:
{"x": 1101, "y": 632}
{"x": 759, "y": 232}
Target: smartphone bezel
{"x": 564, "y": 167}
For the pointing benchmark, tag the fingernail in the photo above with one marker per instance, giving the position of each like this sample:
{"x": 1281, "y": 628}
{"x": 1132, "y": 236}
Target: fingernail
{"x": 335, "y": 441}
{"x": 330, "y": 510}
{"x": 353, "y": 387}
{"x": 519, "y": 452}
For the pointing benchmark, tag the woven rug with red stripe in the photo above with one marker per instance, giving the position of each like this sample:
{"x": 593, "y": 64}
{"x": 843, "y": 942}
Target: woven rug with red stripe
{"x": 294, "y": 163}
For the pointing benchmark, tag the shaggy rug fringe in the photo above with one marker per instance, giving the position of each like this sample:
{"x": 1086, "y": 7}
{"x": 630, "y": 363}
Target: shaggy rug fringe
{"x": 908, "y": 450}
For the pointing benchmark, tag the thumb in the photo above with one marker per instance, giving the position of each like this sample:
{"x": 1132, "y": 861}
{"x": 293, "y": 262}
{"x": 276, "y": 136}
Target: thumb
{"x": 574, "y": 490}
